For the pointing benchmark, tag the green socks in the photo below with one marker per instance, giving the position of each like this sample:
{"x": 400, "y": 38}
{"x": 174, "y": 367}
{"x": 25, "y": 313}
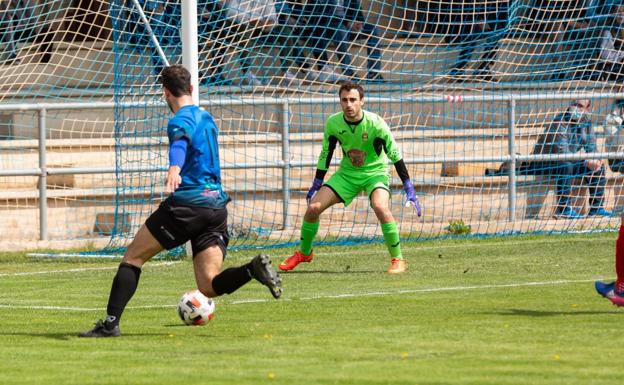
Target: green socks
{"x": 389, "y": 230}
{"x": 391, "y": 238}
{"x": 308, "y": 232}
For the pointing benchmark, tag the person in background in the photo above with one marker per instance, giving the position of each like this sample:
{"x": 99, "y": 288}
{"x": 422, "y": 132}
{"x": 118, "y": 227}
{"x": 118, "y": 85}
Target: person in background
{"x": 476, "y": 26}
{"x": 318, "y": 23}
{"x": 570, "y": 133}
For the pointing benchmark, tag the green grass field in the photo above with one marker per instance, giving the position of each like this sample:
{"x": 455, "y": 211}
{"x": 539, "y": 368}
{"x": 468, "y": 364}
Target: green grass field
{"x": 518, "y": 310}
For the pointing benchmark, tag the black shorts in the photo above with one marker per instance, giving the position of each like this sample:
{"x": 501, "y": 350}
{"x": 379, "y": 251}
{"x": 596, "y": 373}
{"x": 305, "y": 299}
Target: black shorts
{"x": 173, "y": 225}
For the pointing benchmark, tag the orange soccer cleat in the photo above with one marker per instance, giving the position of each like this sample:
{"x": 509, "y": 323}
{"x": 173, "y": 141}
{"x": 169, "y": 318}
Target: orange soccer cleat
{"x": 295, "y": 259}
{"x": 398, "y": 266}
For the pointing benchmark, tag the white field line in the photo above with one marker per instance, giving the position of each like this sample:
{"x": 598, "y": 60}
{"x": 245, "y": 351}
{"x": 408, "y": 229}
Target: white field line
{"x": 321, "y": 297}
{"x": 78, "y": 270}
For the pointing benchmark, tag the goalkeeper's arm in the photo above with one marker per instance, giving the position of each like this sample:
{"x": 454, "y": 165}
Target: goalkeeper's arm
{"x": 408, "y": 187}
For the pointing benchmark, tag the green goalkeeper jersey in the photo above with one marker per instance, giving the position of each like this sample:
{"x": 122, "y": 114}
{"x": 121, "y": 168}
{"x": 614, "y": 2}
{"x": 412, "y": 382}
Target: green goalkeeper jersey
{"x": 366, "y": 146}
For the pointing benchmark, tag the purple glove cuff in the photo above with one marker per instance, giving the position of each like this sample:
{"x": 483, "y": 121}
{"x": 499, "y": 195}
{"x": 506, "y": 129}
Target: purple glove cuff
{"x": 317, "y": 184}
{"x": 408, "y": 187}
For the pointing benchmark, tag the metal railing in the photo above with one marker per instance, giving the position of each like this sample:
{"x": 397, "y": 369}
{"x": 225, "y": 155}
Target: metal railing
{"x": 285, "y": 163}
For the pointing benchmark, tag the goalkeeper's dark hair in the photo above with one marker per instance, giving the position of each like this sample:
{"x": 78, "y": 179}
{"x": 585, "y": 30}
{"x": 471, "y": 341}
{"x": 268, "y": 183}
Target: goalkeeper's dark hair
{"x": 176, "y": 79}
{"x": 348, "y": 86}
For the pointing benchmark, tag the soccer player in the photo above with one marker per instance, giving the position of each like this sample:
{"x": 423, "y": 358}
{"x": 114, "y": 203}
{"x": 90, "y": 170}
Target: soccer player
{"x": 366, "y": 143}
{"x": 614, "y": 126}
{"x": 614, "y": 291}
{"x": 195, "y": 210}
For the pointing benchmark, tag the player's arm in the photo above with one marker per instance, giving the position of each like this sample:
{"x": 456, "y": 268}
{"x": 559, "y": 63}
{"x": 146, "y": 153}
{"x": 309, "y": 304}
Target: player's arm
{"x": 179, "y": 140}
{"x": 327, "y": 152}
{"x": 177, "y": 158}
{"x": 394, "y": 154}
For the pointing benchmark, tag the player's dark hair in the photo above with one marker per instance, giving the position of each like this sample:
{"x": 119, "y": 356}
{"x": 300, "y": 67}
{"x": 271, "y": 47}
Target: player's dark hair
{"x": 348, "y": 86}
{"x": 176, "y": 79}
{"x": 619, "y": 102}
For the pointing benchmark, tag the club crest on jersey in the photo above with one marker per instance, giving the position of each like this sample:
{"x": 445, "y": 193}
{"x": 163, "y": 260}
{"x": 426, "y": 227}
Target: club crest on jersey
{"x": 364, "y": 137}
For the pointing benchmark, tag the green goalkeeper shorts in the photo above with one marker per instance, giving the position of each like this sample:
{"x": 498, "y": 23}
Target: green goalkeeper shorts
{"x": 348, "y": 185}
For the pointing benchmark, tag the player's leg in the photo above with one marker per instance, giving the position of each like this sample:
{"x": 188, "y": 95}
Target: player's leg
{"x": 619, "y": 260}
{"x": 374, "y": 52}
{"x": 564, "y": 175}
{"x": 596, "y": 183}
{"x": 159, "y": 232}
{"x": 324, "y": 198}
{"x": 340, "y": 38}
{"x": 209, "y": 250}
{"x": 380, "y": 198}
{"x": 207, "y": 265}
{"x": 614, "y": 291}
{"x": 125, "y": 282}
{"x": 339, "y": 188}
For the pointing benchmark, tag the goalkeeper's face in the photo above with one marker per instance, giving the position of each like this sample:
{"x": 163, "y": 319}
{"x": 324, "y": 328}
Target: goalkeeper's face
{"x": 351, "y": 104}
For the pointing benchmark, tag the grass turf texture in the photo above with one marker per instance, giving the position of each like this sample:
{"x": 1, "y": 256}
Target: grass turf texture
{"x": 519, "y": 310}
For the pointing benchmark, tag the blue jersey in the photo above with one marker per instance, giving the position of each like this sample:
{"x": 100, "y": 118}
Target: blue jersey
{"x": 201, "y": 173}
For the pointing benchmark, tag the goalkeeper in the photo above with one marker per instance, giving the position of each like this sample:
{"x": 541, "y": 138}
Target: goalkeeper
{"x": 366, "y": 143}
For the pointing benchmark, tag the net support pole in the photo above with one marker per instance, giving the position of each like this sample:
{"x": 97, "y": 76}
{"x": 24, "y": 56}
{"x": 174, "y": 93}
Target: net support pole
{"x": 190, "y": 56}
{"x": 286, "y": 163}
{"x": 512, "y": 164}
{"x": 190, "y": 44}
{"x": 43, "y": 178}
{"x": 150, "y": 32}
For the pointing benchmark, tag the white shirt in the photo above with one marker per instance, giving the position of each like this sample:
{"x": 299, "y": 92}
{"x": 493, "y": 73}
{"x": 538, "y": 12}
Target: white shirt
{"x": 244, "y": 11}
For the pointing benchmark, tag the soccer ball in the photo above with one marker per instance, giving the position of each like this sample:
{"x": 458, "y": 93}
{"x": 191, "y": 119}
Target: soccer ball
{"x": 195, "y": 308}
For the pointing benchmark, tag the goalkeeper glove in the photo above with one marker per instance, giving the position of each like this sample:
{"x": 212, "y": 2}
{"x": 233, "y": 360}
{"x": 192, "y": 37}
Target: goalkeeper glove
{"x": 410, "y": 196}
{"x": 316, "y": 185}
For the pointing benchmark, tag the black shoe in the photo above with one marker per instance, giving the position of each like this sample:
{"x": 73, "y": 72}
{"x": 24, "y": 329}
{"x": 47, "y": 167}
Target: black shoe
{"x": 101, "y": 329}
{"x": 264, "y": 273}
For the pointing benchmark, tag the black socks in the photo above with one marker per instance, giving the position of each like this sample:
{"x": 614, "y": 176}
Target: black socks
{"x": 231, "y": 279}
{"x": 124, "y": 285}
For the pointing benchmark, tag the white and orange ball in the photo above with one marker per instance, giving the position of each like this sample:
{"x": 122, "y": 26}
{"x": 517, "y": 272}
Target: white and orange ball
{"x": 195, "y": 308}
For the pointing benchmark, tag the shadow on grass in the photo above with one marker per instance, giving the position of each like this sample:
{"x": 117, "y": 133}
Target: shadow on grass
{"x": 344, "y": 271}
{"x": 546, "y": 313}
{"x": 74, "y": 335}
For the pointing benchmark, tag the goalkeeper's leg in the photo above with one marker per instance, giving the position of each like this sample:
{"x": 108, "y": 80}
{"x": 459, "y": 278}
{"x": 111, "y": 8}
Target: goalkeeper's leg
{"x": 380, "y": 198}
{"x": 324, "y": 199}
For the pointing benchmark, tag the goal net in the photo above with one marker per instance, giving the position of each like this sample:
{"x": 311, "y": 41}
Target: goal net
{"x": 469, "y": 88}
